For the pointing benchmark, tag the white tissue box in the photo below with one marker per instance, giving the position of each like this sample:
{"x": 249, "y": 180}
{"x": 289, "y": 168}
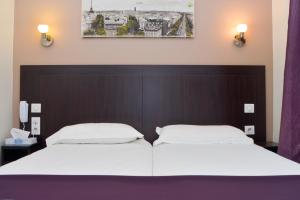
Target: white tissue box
{"x": 20, "y": 142}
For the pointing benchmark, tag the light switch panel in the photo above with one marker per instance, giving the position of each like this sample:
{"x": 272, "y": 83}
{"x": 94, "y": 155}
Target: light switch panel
{"x": 249, "y": 108}
{"x": 36, "y": 126}
{"x": 250, "y": 130}
{"x": 36, "y": 108}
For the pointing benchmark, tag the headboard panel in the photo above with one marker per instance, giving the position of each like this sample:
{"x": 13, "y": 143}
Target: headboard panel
{"x": 146, "y": 96}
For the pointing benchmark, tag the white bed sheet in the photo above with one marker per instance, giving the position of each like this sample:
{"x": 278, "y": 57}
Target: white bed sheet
{"x": 130, "y": 159}
{"x": 219, "y": 160}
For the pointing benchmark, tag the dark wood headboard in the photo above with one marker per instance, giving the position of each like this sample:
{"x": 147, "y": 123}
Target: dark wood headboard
{"x": 146, "y": 96}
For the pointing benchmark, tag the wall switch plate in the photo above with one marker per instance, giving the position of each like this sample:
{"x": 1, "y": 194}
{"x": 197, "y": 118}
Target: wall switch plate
{"x": 36, "y": 126}
{"x": 250, "y": 130}
{"x": 249, "y": 108}
{"x": 36, "y": 108}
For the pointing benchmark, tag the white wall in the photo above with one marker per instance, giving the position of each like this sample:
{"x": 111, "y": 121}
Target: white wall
{"x": 280, "y": 26}
{"x": 6, "y": 66}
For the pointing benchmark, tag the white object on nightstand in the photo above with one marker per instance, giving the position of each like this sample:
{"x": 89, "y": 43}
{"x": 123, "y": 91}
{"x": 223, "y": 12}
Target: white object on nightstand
{"x": 19, "y": 134}
{"x": 20, "y": 142}
{"x": 36, "y": 108}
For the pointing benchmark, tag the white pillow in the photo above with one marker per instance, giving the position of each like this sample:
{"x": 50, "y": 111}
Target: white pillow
{"x": 94, "y": 133}
{"x": 192, "y": 134}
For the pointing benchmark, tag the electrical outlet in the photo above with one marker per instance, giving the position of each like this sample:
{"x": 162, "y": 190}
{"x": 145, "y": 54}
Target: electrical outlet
{"x": 249, "y": 108}
{"x": 250, "y": 130}
{"x": 36, "y": 126}
{"x": 36, "y": 108}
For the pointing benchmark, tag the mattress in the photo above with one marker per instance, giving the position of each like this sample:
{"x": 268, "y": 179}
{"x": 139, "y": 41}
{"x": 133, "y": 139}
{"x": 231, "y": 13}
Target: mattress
{"x": 219, "y": 160}
{"x": 129, "y": 159}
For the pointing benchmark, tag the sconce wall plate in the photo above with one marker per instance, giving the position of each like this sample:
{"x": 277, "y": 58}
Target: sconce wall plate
{"x": 240, "y": 40}
{"x": 46, "y": 40}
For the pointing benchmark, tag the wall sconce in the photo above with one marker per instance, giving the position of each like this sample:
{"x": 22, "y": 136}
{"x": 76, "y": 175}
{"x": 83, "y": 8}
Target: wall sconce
{"x": 240, "y": 39}
{"x": 46, "y": 40}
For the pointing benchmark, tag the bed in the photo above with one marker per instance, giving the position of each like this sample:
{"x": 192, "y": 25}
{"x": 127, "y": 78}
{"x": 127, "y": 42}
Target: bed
{"x": 89, "y": 149}
{"x": 129, "y": 159}
{"x": 145, "y": 97}
{"x": 189, "y": 150}
{"x": 220, "y": 160}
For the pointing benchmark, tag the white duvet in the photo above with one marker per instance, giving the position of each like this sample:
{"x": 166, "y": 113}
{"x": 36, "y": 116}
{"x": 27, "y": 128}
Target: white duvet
{"x": 140, "y": 159}
{"x": 219, "y": 160}
{"x": 130, "y": 159}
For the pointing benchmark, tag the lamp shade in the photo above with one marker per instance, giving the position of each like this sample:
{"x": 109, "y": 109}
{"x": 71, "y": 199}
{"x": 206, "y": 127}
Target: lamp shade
{"x": 43, "y": 28}
{"x": 242, "y": 28}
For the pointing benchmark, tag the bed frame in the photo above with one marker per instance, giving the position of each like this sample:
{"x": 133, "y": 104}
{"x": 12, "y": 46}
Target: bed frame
{"x": 146, "y": 96}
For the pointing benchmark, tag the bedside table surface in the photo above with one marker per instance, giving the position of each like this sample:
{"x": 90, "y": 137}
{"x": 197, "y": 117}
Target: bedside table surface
{"x": 267, "y": 144}
{"x": 271, "y": 146}
{"x": 18, "y": 146}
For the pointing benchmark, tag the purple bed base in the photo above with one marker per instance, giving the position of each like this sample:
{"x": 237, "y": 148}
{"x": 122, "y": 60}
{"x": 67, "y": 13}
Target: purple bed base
{"x": 149, "y": 188}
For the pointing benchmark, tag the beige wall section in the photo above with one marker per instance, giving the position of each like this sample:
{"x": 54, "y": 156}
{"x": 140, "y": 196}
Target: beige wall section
{"x": 215, "y": 28}
{"x": 6, "y": 66}
{"x": 280, "y": 26}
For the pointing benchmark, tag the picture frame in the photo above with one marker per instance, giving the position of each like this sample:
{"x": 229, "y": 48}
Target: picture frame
{"x": 137, "y": 19}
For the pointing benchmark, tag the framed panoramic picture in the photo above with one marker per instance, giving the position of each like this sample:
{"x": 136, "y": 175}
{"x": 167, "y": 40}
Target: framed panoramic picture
{"x": 138, "y": 18}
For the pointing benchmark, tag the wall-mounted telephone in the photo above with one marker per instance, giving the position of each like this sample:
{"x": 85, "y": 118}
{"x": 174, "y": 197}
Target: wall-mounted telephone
{"x": 23, "y": 113}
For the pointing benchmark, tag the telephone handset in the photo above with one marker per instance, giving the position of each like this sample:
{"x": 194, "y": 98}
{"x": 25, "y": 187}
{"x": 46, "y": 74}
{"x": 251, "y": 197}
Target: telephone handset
{"x": 23, "y": 113}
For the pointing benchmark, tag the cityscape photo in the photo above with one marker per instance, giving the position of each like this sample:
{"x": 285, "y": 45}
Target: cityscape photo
{"x": 138, "y": 18}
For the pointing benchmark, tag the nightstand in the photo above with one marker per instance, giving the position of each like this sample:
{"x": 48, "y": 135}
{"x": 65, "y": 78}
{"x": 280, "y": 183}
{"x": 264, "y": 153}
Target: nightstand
{"x": 271, "y": 146}
{"x": 11, "y": 153}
